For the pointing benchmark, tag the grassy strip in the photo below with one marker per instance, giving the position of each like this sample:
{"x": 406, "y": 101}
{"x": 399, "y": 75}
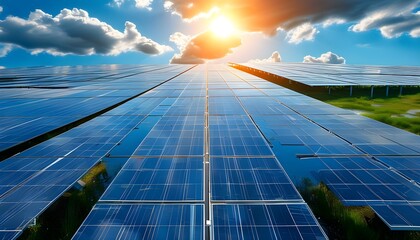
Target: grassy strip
{"x": 342, "y": 222}
{"x": 63, "y": 218}
{"x": 392, "y": 111}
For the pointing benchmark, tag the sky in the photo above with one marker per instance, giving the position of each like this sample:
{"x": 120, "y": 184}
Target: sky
{"x": 91, "y": 32}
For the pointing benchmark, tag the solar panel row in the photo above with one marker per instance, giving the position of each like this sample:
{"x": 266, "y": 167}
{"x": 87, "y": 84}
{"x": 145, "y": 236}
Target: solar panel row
{"x": 33, "y": 179}
{"x": 35, "y": 106}
{"x": 313, "y": 74}
{"x": 208, "y": 145}
{"x": 169, "y": 166}
{"x": 372, "y": 163}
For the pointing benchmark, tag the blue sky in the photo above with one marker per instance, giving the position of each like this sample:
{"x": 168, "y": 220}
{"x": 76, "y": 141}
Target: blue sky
{"x": 385, "y": 32}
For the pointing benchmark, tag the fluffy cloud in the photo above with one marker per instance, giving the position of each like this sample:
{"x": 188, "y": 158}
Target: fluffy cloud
{"x": 144, "y": 4}
{"x": 4, "y": 50}
{"x": 74, "y": 32}
{"x": 275, "y": 57}
{"x": 391, "y": 24}
{"x": 269, "y": 15}
{"x": 304, "y": 32}
{"x": 327, "y": 57}
{"x": 2, "y": 67}
{"x": 139, "y": 3}
{"x": 1, "y": 9}
{"x": 204, "y": 46}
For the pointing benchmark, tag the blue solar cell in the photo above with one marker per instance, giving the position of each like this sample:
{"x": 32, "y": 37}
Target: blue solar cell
{"x": 174, "y": 135}
{"x": 236, "y": 136}
{"x": 7, "y": 235}
{"x": 155, "y": 221}
{"x": 399, "y": 217}
{"x": 250, "y": 179}
{"x": 264, "y": 221}
{"x": 158, "y": 179}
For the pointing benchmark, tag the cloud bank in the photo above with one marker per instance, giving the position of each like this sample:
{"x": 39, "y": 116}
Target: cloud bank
{"x": 74, "y": 32}
{"x": 204, "y": 46}
{"x": 274, "y": 58}
{"x": 327, "y": 57}
{"x": 391, "y": 17}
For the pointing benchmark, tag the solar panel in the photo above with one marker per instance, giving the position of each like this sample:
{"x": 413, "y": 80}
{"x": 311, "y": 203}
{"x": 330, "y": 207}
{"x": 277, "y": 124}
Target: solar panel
{"x": 358, "y": 185}
{"x": 48, "y": 104}
{"x": 313, "y": 74}
{"x": 399, "y": 216}
{"x": 212, "y": 144}
{"x": 408, "y": 166}
{"x": 264, "y": 221}
{"x": 246, "y": 179}
{"x": 145, "y": 221}
{"x": 159, "y": 180}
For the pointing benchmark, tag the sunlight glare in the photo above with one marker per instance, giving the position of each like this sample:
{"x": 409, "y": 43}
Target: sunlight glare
{"x": 222, "y": 27}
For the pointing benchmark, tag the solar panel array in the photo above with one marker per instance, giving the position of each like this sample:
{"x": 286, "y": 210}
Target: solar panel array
{"x": 33, "y": 179}
{"x": 207, "y": 154}
{"x": 204, "y": 154}
{"x": 364, "y": 162}
{"x": 36, "y": 101}
{"x": 315, "y": 74}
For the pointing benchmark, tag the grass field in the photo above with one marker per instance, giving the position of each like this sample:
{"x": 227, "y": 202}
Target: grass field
{"x": 399, "y": 111}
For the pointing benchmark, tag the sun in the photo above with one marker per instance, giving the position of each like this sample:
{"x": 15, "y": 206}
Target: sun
{"x": 222, "y": 27}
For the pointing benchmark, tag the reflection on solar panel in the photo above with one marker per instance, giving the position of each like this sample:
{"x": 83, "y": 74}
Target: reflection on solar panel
{"x": 363, "y": 161}
{"x": 264, "y": 221}
{"x": 207, "y": 154}
{"x": 206, "y": 150}
{"x": 399, "y": 216}
{"x": 36, "y": 101}
{"x": 313, "y": 74}
{"x": 35, "y": 178}
{"x": 245, "y": 179}
{"x": 158, "y": 179}
{"x": 147, "y": 221}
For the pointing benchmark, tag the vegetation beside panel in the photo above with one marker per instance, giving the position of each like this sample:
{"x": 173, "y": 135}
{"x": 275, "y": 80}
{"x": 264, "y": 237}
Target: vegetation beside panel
{"x": 341, "y": 222}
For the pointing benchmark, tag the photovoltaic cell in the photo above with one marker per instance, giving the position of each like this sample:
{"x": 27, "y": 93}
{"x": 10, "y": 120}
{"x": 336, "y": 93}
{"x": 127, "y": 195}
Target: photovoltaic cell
{"x": 246, "y": 179}
{"x": 264, "y": 221}
{"x": 144, "y": 221}
{"x": 159, "y": 180}
{"x": 399, "y": 216}
{"x": 236, "y": 136}
{"x": 313, "y": 74}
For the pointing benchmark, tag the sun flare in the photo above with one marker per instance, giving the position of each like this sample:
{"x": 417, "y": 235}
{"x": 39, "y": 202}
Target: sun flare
{"x": 222, "y": 27}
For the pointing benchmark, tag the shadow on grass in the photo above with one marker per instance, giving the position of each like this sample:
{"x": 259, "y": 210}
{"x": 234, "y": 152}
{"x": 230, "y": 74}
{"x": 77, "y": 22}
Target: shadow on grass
{"x": 341, "y": 222}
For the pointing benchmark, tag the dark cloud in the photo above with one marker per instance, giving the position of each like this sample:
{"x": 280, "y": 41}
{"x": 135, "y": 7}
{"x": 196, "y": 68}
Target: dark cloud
{"x": 205, "y": 46}
{"x": 269, "y": 15}
{"x": 327, "y": 57}
{"x": 73, "y": 32}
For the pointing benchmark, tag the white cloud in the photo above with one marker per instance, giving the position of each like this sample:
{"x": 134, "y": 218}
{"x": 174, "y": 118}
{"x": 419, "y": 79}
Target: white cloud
{"x": 74, "y": 32}
{"x": 2, "y": 67}
{"x": 116, "y": 3}
{"x": 1, "y": 9}
{"x": 144, "y": 4}
{"x": 327, "y": 57}
{"x": 332, "y": 21}
{"x": 4, "y": 50}
{"x": 304, "y": 32}
{"x": 391, "y": 22}
{"x": 201, "y": 47}
{"x": 274, "y": 58}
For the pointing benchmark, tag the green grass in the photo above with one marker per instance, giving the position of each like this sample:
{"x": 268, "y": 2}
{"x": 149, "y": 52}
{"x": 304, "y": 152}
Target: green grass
{"x": 391, "y": 111}
{"x": 341, "y": 222}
